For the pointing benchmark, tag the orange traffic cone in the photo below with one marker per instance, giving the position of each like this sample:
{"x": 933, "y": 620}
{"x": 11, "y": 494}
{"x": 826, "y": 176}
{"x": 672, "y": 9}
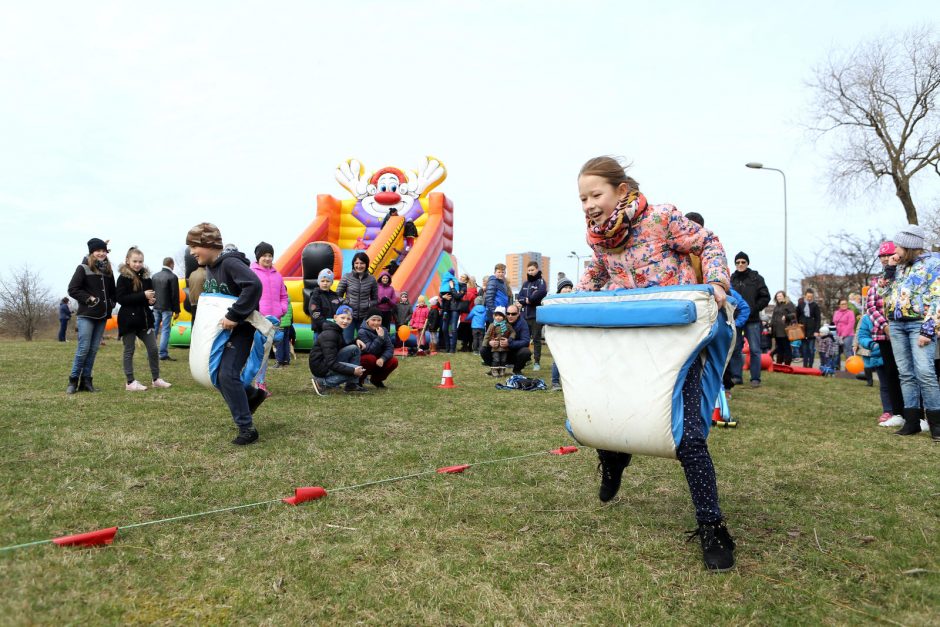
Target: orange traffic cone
{"x": 447, "y": 378}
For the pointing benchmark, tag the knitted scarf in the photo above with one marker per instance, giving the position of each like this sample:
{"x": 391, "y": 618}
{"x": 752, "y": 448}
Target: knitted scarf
{"x": 611, "y": 236}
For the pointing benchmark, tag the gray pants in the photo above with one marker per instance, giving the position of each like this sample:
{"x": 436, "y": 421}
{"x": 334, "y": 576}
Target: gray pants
{"x": 535, "y": 333}
{"x": 150, "y": 342}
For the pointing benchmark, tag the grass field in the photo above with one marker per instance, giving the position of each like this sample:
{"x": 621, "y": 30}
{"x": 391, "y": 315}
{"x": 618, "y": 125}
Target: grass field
{"x": 836, "y": 519}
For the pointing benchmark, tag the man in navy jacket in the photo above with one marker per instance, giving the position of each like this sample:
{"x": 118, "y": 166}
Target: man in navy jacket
{"x": 531, "y": 295}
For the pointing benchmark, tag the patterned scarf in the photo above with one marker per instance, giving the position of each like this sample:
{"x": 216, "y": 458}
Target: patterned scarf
{"x": 611, "y": 236}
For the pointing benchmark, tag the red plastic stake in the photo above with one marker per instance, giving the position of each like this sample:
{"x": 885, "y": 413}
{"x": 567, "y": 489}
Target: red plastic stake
{"x": 453, "y": 470}
{"x": 92, "y": 538}
{"x": 302, "y": 495}
{"x": 564, "y": 450}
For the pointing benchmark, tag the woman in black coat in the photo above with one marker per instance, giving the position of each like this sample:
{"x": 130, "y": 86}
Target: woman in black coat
{"x": 92, "y": 285}
{"x": 784, "y": 314}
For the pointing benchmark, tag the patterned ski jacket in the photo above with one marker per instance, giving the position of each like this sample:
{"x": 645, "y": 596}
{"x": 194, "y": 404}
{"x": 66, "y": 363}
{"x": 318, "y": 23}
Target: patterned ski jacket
{"x": 913, "y": 292}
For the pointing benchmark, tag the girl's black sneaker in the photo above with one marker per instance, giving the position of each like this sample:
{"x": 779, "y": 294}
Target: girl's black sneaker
{"x": 717, "y": 546}
{"x": 246, "y": 436}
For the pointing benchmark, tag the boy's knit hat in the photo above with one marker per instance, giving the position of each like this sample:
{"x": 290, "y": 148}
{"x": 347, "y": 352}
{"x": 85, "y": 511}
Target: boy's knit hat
{"x": 824, "y": 329}
{"x": 911, "y": 237}
{"x": 743, "y": 255}
{"x": 433, "y": 301}
{"x": 374, "y": 311}
{"x": 479, "y": 300}
{"x": 263, "y": 248}
{"x": 206, "y": 235}
{"x": 500, "y": 310}
{"x": 325, "y": 273}
{"x": 343, "y": 309}
{"x": 563, "y": 283}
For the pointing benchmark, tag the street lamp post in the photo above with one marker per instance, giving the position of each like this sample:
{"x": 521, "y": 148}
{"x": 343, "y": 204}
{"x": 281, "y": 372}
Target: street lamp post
{"x": 577, "y": 273}
{"x": 760, "y": 166}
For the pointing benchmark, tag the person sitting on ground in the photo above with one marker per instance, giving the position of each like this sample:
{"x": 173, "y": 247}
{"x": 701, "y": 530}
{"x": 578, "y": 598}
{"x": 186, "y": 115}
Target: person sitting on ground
{"x": 477, "y": 320}
{"x": 564, "y": 286}
{"x": 377, "y": 351}
{"x": 497, "y": 338}
{"x": 323, "y": 300}
{"x": 332, "y": 361}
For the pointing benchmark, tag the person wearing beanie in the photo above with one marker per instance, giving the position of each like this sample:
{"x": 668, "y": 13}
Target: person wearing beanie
{"x": 828, "y": 349}
{"x": 497, "y": 339}
{"x": 229, "y": 272}
{"x": 564, "y": 286}
{"x": 911, "y": 292}
{"x": 359, "y": 290}
{"x": 565, "y": 282}
{"x": 92, "y": 285}
{"x": 751, "y": 286}
{"x": 388, "y": 298}
{"x": 334, "y": 362}
{"x": 274, "y": 301}
{"x": 402, "y": 310}
{"x": 378, "y": 352}
{"x": 889, "y": 380}
{"x": 323, "y": 301}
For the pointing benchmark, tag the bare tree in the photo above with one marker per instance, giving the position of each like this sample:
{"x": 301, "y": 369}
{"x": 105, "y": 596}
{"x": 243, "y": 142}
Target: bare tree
{"x": 26, "y": 303}
{"x": 879, "y": 103}
{"x": 843, "y": 265}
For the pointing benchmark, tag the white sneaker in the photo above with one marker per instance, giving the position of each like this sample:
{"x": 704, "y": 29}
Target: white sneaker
{"x": 160, "y": 383}
{"x": 135, "y": 386}
{"x": 924, "y": 426}
{"x": 536, "y": 366}
{"x": 893, "y": 421}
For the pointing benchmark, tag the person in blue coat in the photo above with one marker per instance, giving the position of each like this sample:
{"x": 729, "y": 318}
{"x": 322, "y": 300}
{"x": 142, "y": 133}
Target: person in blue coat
{"x": 477, "y": 319}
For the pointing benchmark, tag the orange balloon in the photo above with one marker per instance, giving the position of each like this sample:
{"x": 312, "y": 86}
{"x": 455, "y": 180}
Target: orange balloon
{"x": 855, "y": 364}
{"x": 404, "y": 332}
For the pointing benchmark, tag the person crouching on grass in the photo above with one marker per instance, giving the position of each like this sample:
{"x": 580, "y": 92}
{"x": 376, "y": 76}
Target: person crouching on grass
{"x": 498, "y": 336}
{"x": 229, "y": 272}
{"x": 636, "y": 245}
{"x": 332, "y": 361}
{"x": 378, "y": 351}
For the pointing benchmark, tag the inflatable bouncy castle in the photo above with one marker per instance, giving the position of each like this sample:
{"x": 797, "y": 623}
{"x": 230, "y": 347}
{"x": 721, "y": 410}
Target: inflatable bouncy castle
{"x": 392, "y": 215}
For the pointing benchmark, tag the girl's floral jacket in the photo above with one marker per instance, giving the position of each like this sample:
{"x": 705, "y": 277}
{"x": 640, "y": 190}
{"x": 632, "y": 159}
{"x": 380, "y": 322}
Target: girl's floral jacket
{"x": 657, "y": 254}
{"x": 913, "y": 292}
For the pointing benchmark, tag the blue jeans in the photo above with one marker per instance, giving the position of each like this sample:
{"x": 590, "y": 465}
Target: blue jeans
{"x": 752, "y": 332}
{"x": 915, "y": 366}
{"x": 808, "y": 351}
{"x": 556, "y": 376}
{"x": 63, "y": 325}
{"x": 162, "y": 319}
{"x": 349, "y": 356}
{"x": 282, "y": 349}
{"x": 448, "y": 334}
{"x": 350, "y": 332}
{"x": 234, "y": 356}
{"x": 89, "y": 339}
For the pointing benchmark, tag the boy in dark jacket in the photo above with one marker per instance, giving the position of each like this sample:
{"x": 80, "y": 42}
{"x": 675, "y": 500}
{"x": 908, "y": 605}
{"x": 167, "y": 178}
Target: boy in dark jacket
{"x": 229, "y": 272}
{"x": 323, "y": 300}
{"x": 332, "y": 361}
{"x": 378, "y": 352}
{"x": 533, "y": 291}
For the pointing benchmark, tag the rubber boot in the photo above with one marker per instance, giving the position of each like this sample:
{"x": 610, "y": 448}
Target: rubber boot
{"x": 85, "y": 385}
{"x": 73, "y": 386}
{"x": 912, "y": 416}
{"x": 611, "y": 466}
{"x": 933, "y": 419}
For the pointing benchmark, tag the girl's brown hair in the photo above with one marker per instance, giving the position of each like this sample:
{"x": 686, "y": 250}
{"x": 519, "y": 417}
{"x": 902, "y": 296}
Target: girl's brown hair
{"x": 133, "y": 250}
{"x": 786, "y": 299}
{"x": 610, "y": 170}
{"x": 909, "y": 256}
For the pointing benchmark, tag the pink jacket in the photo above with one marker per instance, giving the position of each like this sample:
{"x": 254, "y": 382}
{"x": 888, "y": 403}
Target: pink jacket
{"x": 657, "y": 254}
{"x": 419, "y": 316}
{"x": 844, "y": 319}
{"x": 274, "y": 299}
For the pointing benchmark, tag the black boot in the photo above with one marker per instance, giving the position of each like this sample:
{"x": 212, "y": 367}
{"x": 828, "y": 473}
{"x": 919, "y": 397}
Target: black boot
{"x": 912, "y": 416}
{"x": 246, "y": 436}
{"x": 933, "y": 419}
{"x": 73, "y": 386}
{"x": 85, "y": 385}
{"x": 717, "y": 546}
{"x": 256, "y": 396}
{"x": 611, "y": 467}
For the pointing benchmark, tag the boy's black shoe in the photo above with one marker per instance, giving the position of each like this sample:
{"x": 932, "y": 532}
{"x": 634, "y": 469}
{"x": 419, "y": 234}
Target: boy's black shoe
{"x": 85, "y": 385}
{"x": 355, "y": 387}
{"x": 319, "y": 385}
{"x": 73, "y": 386}
{"x": 255, "y": 398}
{"x": 611, "y": 467}
{"x": 717, "y": 546}
{"x": 378, "y": 384}
{"x": 245, "y": 437}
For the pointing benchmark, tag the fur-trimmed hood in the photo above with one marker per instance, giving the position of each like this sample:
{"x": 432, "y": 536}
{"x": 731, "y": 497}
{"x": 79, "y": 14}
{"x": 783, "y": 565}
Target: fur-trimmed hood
{"x": 125, "y": 271}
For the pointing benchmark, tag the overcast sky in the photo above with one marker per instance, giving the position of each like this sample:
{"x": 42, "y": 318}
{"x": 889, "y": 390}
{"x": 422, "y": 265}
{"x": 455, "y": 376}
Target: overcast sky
{"x": 132, "y": 121}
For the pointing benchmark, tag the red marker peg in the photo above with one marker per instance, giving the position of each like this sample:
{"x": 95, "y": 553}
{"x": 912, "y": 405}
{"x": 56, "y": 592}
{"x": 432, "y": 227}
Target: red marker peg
{"x": 302, "y": 495}
{"x": 564, "y": 450}
{"x": 92, "y": 538}
{"x": 453, "y": 470}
